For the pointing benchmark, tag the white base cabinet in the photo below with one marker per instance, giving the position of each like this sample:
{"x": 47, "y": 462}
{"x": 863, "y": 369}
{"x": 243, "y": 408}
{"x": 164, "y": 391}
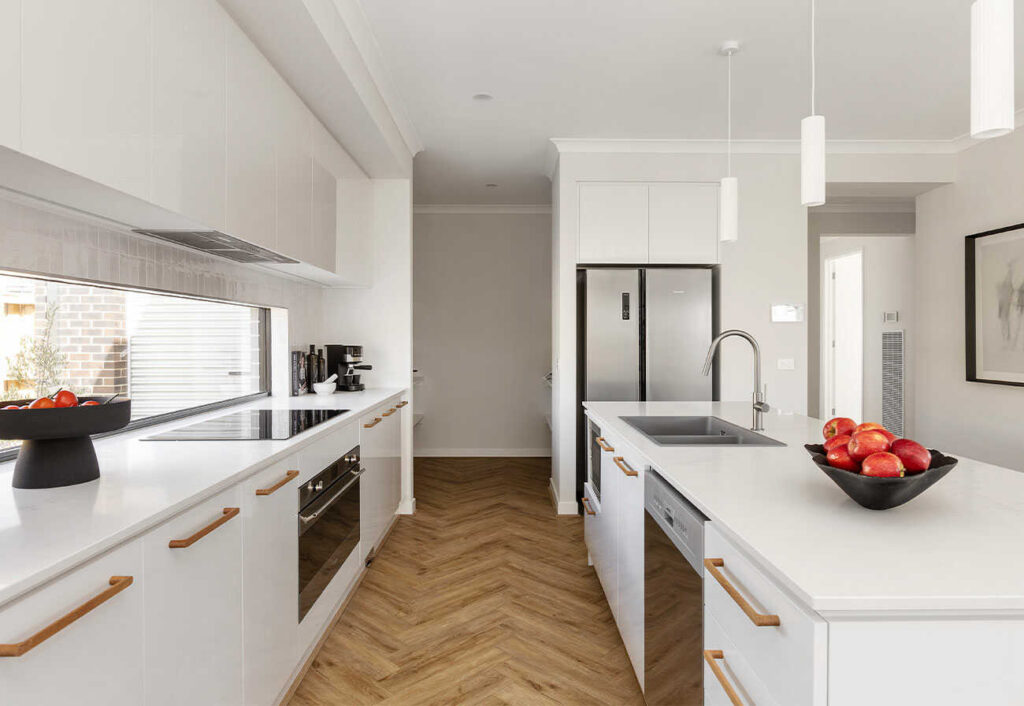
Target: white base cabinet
{"x": 380, "y": 488}
{"x": 98, "y": 659}
{"x": 194, "y": 606}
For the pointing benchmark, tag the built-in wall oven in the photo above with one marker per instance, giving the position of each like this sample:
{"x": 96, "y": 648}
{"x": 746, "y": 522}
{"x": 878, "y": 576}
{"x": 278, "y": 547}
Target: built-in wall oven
{"x": 594, "y": 458}
{"x": 328, "y": 526}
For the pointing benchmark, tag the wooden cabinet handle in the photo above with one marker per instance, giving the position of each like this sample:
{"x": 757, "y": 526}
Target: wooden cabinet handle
{"x": 604, "y": 445}
{"x": 624, "y": 467}
{"x": 401, "y": 404}
{"x": 17, "y": 649}
{"x": 389, "y": 412}
{"x": 761, "y": 620}
{"x": 586, "y": 506}
{"x": 371, "y": 425}
{"x": 711, "y": 657}
{"x": 228, "y": 513}
{"x": 287, "y": 477}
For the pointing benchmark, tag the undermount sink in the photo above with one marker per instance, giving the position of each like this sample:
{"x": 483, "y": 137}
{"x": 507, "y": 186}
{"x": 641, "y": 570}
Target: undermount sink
{"x": 697, "y": 431}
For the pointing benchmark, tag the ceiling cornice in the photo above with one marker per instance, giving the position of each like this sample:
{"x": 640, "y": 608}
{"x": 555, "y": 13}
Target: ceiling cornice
{"x": 478, "y": 209}
{"x": 580, "y": 145}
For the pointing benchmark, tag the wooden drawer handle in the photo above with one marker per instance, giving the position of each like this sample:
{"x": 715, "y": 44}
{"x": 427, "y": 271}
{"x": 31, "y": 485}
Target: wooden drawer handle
{"x": 287, "y": 477}
{"x": 624, "y": 467}
{"x": 17, "y": 649}
{"x": 586, "y": 506}
{"x": 761, "y": 620}
{"x": 711, "y": 657}
{"x": 604, "y": 445}
{"x": 371, "y": 425}
{"x": 389, "y": 412}
{"x": 229, "y": 512}
{"x": 401, "y": 404}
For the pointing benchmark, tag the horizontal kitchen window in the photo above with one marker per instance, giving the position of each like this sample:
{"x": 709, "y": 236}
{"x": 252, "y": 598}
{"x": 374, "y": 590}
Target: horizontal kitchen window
{"x": 172, "y": 355}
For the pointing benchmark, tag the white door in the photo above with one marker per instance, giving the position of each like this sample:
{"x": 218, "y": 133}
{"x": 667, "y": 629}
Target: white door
{"x": 843, "y": 336}
{"x": 270, "y": 573}
{"x": 193, "y": 572}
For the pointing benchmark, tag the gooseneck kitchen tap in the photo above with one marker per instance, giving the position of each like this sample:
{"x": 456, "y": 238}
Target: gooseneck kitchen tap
{"x": 760, "y": 406}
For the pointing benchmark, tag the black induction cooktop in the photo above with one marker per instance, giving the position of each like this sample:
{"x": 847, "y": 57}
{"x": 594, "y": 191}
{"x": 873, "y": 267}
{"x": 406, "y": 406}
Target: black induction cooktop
{"x": 251, "y": 425}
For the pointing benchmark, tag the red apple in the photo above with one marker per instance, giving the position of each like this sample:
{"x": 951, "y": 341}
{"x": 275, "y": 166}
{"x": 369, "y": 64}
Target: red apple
{"x": 883, "y": 465}
{"x": 838, "y": 427}
{"x": 839, "y": 457}
{"x": 11, "y": 406}
{"x": 888, "y": 435}
{"x": 867, "y": 426}
{"x": 840, "y": 440}
{"x": 865, "y": 443}
{"x": 65, "y": 398}
{"x": 915, "y": 457}
{"x": 42, "y": 403}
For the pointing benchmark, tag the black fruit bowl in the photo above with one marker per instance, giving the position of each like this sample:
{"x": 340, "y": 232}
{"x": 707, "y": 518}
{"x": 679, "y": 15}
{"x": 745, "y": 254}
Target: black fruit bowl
{"x": 56, "y": 449}
{"x": 883, "y": 493}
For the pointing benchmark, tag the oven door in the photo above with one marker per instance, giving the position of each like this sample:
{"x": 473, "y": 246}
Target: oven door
{"x": 328, "y": 532}
{"x": 594, "y": 460}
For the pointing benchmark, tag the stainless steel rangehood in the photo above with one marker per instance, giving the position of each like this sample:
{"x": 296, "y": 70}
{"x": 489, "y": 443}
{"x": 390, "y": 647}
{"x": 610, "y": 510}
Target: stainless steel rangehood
{"x": 216, "y": 243}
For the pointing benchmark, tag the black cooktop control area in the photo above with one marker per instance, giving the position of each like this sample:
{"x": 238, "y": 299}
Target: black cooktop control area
{"x": 251, "y": 425}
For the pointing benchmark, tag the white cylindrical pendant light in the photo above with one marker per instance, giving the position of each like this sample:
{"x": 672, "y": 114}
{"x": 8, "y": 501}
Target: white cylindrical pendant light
{"x": 812, "y": 160}
{"x": 729, "y": 210}
{"x": 992, "y": 86}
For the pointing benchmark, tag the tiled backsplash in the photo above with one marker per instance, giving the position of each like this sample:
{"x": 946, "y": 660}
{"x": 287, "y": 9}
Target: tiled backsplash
{"x": 37, "y": 239}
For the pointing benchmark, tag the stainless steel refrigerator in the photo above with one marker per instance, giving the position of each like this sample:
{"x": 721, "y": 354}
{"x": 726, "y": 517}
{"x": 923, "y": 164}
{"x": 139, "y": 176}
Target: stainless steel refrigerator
{"x": 643, "y": 335}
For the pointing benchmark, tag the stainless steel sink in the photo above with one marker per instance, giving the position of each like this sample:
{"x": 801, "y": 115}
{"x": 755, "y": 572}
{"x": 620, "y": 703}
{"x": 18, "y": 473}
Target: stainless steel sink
{"x": 697, "y": 431}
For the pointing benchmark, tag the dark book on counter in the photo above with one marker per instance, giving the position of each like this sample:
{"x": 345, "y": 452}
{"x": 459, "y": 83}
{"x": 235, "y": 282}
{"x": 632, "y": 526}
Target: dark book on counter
{"x": 300, "y": 385}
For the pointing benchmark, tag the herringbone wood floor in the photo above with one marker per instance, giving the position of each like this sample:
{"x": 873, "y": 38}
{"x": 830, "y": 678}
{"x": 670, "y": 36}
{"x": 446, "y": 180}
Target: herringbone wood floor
{"x": 484, "y": 596}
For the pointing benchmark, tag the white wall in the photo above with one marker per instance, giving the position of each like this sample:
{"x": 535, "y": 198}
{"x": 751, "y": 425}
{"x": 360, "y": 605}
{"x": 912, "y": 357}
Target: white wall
{"x": 974, "y": 419}
{"x": 482, "y": 332}
{"x": 888, "y": 286}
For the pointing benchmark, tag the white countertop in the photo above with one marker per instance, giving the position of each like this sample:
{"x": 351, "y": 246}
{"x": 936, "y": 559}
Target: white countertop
{"x": 957, "y": 547}
{"x": 142, "y": 483}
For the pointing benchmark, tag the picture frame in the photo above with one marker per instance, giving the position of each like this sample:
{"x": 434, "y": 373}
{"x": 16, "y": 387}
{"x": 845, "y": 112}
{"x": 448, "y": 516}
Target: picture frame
{"x": 994, "y": 311}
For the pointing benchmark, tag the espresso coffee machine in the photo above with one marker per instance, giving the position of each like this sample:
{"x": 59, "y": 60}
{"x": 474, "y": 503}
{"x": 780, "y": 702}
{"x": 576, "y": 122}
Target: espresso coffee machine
{"x": 345, "y": 361}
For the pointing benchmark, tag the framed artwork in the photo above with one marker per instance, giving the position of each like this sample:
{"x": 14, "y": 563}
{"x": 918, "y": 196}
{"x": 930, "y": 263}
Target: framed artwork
{"x": 995, "y": 306}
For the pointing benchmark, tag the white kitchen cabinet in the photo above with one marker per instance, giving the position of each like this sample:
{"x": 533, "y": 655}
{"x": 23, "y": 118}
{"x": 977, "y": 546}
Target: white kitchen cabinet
{"x": 613, "y": 222}
{"x": 251, "y": 146}
{"x": 735, "y": 672}
{"x": 97, "y": 659}
{"x": 189, "y": 102}
{"x": 354, "y": 257}
{"x": 683, "y": 226}
{"x": 86, "y": 79}
{"x": 294, "y": 173}
{"x": 629, "y": 545}
{"x": 324, "y": 211}
{"x": 380, "y": 485}
{"x": 194, "y": 603}
{"x": 270, "y": 557}
{"x": 10, "y": 73}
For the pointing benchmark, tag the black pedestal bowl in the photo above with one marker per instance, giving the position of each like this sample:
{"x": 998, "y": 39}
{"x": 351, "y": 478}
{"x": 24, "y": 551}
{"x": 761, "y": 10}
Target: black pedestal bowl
{"x": 55, "y": 446}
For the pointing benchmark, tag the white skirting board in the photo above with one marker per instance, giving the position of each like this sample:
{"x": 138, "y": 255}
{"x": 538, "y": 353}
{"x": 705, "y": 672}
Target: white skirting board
{"x": 465, "y": 453}
{"x": 562, "y": 507}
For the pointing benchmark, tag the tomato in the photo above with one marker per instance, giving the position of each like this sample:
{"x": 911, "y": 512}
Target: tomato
{"x": 42, "y": 403}
{"x": 11, "y": 406}
{"x": 90, "y": 403}
{"x": 65, "y": 398}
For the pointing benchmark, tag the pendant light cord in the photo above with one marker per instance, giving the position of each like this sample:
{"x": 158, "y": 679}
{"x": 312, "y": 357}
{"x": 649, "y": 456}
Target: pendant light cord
{"x": 813, "y": 67}
{"x": 728, "y": 142}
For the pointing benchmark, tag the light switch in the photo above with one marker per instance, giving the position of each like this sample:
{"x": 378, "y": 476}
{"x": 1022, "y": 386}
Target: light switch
{"x": 787, "y": 364}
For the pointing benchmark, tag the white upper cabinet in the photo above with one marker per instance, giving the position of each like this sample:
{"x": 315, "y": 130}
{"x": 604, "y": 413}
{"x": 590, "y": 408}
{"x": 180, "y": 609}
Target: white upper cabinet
{"x": 613, "y": 223}
{"x": 639, "y": 223}
{"x": 86, "y": 79}
{"x": 189, "y": 97}
{"x": 294, "y": 173}
{"x": 683, "y": 224}
{"x": 251, "y": 209}
{"x": 324, "y": 228}
{"x": 10, "y": 73}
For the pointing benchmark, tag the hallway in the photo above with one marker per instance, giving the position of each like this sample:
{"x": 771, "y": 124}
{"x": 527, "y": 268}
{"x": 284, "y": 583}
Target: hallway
{"x": 484, "y": 596}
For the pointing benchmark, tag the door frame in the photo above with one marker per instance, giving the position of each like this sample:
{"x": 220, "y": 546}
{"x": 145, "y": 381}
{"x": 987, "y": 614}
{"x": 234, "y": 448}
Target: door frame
{"x": 827, "y": 329}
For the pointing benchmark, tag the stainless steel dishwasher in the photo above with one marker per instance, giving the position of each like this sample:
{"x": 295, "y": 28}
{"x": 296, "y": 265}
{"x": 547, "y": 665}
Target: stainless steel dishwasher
{"x": 673, "y": 597}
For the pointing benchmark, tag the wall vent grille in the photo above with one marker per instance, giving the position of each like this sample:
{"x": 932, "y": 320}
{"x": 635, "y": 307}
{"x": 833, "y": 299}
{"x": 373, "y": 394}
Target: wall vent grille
{"x": 892, "y": 381}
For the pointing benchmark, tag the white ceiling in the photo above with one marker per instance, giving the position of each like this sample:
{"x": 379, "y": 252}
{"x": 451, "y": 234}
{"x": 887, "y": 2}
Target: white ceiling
{"x": 887, "y": 70}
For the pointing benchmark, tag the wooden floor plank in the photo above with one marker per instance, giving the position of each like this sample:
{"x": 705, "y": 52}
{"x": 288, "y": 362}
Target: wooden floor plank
{"x": 483, "y": 597}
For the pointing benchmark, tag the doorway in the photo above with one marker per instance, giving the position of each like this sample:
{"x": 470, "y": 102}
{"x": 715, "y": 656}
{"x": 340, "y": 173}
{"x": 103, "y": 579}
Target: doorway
{"x": 842, "y": 326}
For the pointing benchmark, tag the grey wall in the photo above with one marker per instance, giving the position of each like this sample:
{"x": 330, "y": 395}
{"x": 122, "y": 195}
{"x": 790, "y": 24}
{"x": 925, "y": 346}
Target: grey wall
{"x": 482, "y": 332}
{"x": 827, "y": 223}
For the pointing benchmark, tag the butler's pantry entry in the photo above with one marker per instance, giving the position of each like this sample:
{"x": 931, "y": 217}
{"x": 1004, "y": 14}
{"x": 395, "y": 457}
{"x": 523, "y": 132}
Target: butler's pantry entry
{"x": 842, "y": 329}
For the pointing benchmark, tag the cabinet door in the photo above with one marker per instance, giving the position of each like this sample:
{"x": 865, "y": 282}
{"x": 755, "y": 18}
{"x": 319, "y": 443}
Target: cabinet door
{"x": 189, "y": 120}
{"x": 294, "y": 173}
{"x": 630, "y": 562}
{"x": 95, "y": 660}
{"x": 606, "y": 563}
{"x": 10, "y": 73}
{"x": 194, "y": 606}
{"x": 393, "y": 498}
{"x": 373, "y": 451}
{"x": 324, "y": 228}
{"x": 86, "y": 103}
{"x": 684, "y": 223}
{"x": 250, "y": 145}
{"x": 270, "y": 557}
{"x": 612, "y": 222}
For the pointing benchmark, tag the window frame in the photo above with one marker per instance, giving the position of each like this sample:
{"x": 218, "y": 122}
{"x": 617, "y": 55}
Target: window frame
{"x": 264, "y": 357}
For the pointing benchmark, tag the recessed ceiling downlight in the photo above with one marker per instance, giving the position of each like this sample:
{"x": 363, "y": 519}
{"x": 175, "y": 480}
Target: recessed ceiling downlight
{"x": 483, "y": 97}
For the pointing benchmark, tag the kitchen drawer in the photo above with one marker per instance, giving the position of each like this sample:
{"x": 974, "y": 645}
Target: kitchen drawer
{"x": 791, "y": 658}
{"x": 736, "y": 671}
{"x": 326, "y": 450}
{"x": 591, "y": 507}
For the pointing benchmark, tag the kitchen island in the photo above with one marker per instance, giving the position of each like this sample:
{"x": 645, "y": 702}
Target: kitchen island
{"x": 923, "y": 603}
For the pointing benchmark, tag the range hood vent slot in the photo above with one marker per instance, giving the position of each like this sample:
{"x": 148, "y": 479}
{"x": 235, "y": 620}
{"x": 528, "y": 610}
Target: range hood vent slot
{"x": 216, "y": 243}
